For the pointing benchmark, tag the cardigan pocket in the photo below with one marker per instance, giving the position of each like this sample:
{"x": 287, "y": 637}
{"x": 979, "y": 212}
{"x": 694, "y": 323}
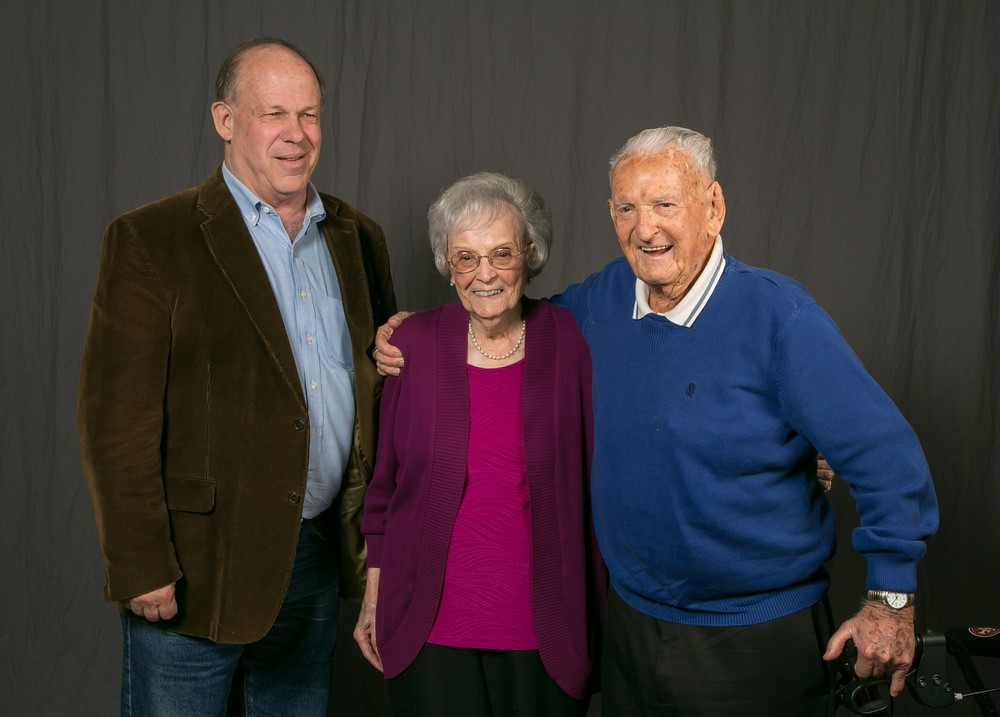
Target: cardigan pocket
{"x": 190, "y": 495}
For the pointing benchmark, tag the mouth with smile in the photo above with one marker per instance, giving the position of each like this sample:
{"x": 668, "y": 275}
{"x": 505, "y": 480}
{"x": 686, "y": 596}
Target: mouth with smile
{"x": 487, "y": 292}
{"x": 292, "y": 158}
{"x": 655, "y": 250}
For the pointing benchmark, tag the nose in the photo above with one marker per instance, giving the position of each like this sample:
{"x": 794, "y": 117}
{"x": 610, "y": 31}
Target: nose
{"x": 293, "y": 131}
{"x": 485, "y": 271}
{"x": 645, "y": 227}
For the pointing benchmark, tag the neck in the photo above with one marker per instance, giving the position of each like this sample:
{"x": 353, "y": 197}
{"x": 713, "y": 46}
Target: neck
{"x": 665, "y": 298}
{"x": 497, "y": 327}
{"x": 498, "y": 347}
{"x": 292, "y": 220}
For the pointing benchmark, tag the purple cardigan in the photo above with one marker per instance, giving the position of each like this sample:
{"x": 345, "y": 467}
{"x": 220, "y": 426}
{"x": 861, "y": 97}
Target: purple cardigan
{"x": 419, "y": 475}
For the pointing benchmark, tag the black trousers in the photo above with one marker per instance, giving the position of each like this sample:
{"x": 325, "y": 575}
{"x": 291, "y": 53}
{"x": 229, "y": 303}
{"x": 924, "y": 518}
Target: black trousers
{"x": 462, "y": 682}
{"x": 653, "y": 667}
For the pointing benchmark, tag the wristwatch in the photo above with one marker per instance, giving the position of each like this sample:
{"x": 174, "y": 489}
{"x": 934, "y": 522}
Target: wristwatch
{"x": 897, "y": 601}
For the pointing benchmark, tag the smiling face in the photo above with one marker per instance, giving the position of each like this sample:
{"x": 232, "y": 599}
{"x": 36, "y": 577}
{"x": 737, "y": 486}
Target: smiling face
{"x": 666, "y": 215}
{"x": 271, "y": 126}
{"x": 490, "y": 294}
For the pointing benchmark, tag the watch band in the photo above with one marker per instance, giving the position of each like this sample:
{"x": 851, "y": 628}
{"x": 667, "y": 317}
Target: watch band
{"x": 893, "y": 599}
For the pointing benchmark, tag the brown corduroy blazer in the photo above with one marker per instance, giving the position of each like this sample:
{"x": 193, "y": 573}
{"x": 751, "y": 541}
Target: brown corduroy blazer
{"x": 193, "y": 429}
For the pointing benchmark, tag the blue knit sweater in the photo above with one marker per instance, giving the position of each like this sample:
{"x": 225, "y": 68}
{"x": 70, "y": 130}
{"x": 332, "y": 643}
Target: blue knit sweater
{"x": 706, "y": 507}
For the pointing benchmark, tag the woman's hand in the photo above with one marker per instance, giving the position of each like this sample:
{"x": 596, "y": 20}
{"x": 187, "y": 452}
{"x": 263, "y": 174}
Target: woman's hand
{"x": 824, "y": 473}
{"x": 364, "y": 631}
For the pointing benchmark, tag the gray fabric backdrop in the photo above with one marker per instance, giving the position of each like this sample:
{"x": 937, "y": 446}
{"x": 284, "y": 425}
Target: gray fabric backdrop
{"x": 858, "y": 145}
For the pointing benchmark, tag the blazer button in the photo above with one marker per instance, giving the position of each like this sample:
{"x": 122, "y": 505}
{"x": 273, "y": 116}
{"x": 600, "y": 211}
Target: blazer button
{"x": 299, "y": 424}
{"x": 294, "y": 498}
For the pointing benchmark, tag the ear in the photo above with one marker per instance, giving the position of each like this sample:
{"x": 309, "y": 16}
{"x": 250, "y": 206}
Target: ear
{"x": 222, "y": 115}
{"x": 611, "y": 210}
{"x": 716, "y": 209}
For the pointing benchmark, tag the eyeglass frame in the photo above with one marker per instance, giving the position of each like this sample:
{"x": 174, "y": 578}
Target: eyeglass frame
{"x": 487, "y": 257}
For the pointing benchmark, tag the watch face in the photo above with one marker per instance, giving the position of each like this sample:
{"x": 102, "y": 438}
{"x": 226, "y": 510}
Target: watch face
{"x": 897, "y": 601}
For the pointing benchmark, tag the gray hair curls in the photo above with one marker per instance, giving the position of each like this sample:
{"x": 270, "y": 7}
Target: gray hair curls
{"x": 482, "y": 197}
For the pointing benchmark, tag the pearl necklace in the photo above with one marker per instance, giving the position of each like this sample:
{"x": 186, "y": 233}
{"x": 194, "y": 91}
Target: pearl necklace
{"x": 507, "y": 355}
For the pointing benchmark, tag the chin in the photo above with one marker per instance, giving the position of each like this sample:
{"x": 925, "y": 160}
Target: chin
{"x": 491, "y": 312}
{"x": 659, "y": 272}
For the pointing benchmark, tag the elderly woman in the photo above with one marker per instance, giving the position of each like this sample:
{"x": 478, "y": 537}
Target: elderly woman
{"x": 484, "y": 581}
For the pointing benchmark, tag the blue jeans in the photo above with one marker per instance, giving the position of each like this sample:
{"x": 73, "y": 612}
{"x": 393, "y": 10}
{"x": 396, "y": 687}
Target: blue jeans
{"x": 287, "y": 672}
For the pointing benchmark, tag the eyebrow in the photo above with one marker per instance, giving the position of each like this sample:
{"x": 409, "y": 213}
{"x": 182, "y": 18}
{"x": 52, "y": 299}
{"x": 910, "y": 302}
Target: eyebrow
{"x": 505, "y": 245}
{"x": 282, "y": 108}
{"x": 658, "y": 199}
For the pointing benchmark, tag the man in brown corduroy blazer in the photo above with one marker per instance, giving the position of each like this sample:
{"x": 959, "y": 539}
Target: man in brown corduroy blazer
{"x": 227, "y": 408}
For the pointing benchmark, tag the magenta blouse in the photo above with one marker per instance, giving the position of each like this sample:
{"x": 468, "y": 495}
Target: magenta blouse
{"x": 485, "y": 601}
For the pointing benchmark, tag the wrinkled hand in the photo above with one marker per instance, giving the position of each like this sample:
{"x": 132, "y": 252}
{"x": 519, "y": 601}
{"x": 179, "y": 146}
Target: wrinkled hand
{"x": 364, "y": 631}
{"x": 885, "y": 642}
{"x": 388, "y": 359}
{"x": 824, "y": 473}
{"x": 154, "y": 606}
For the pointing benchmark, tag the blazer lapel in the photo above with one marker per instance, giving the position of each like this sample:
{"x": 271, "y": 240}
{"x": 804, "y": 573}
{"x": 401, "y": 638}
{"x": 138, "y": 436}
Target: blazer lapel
{"x": 229, "y": 241}
{"x": 344, "y": 245}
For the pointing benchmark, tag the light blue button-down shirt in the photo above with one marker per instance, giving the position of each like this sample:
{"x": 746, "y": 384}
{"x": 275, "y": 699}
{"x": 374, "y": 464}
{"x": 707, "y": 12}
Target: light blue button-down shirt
{"x": 305, "y": 286}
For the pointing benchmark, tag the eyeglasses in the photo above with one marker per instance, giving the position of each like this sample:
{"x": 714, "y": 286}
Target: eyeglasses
{"x": 503, "y": 258}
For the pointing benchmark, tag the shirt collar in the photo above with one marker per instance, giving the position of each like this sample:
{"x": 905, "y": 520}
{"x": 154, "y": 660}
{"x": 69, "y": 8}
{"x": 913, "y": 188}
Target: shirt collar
{"x": 251, "y": 206}
{"x": 690, "y": 306}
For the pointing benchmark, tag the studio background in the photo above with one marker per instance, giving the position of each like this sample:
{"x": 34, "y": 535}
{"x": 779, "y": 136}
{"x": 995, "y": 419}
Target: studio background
{"x": 858, "y": 147}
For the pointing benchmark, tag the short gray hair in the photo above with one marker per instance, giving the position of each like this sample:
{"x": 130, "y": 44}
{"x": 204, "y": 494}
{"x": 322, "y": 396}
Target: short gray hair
{"x": 485, "y": 195}
{"x": 658, "y": 139}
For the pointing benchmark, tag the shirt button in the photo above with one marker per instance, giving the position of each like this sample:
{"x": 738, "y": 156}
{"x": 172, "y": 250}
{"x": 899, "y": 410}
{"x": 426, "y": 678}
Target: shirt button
{"x": 303, "y": 294}
{"x": 299, "y": 424}
{"x": 294, "y": 498}
{"x": 309, "y": 339}
{"x": 313, "y": 385}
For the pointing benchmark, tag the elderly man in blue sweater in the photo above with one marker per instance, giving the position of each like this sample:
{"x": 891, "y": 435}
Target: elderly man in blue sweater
{"x": 714, "y": 385}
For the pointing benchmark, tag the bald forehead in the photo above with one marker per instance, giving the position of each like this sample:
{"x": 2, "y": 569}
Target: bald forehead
{"x": 269, "y": 52}
{"x": 258, "y": 61}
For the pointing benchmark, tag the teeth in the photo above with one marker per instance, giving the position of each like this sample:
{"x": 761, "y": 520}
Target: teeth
{"x": 652, "y": 249}
{"x": 492, "y": 292}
